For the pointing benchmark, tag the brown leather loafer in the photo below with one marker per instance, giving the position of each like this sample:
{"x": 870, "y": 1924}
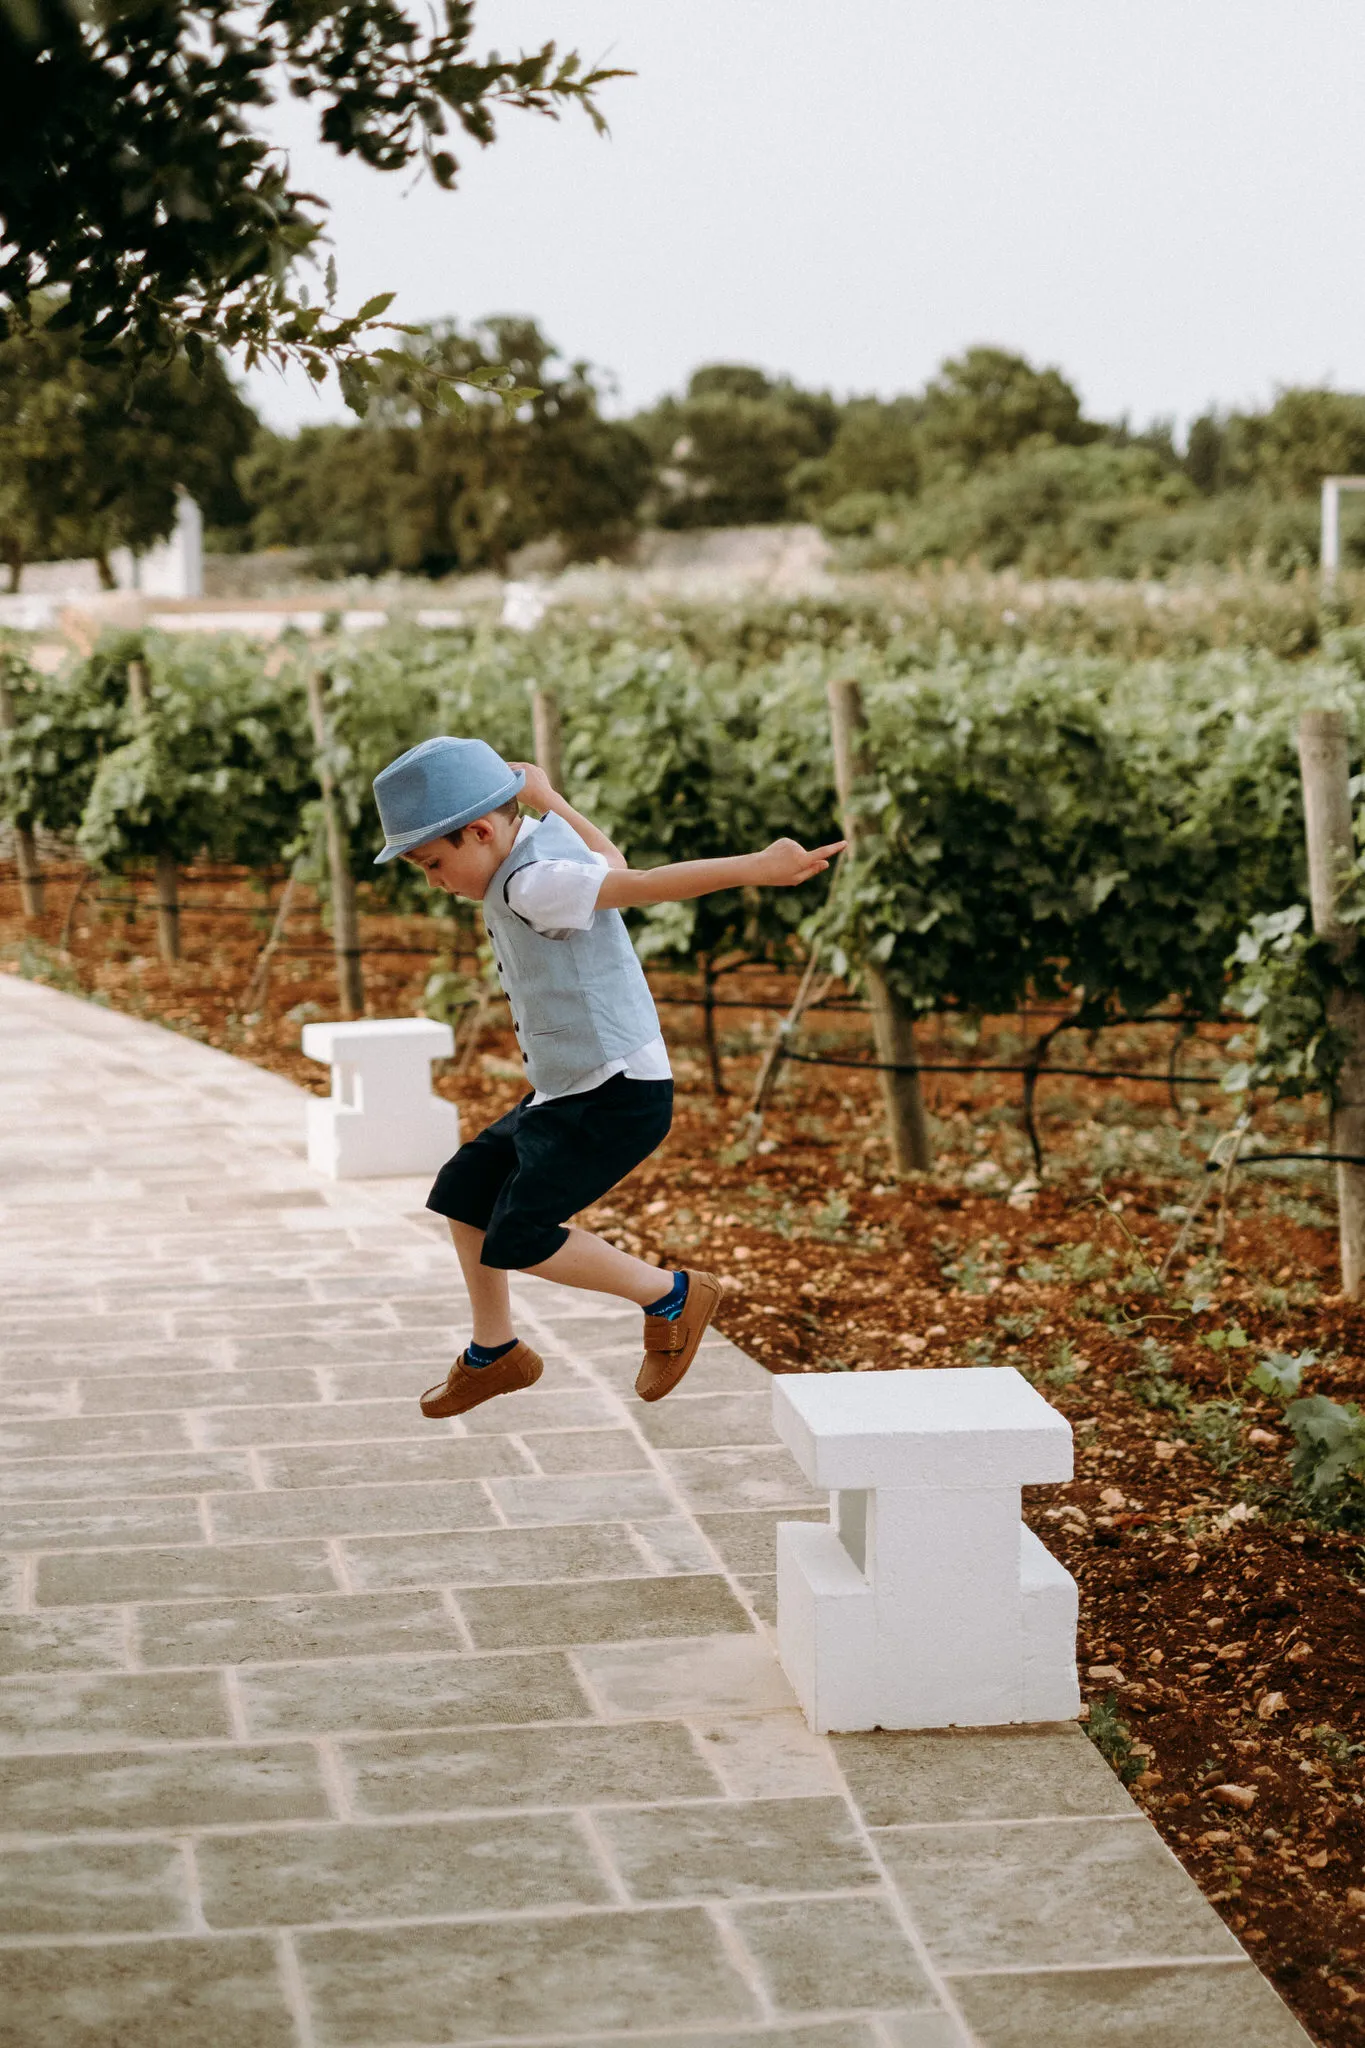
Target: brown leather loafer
{"x": 671, "y": 1347}
{"x": 465, "y": 1386}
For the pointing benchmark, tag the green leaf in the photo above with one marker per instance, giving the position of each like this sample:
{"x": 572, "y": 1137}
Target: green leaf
{"x": 1280, "y": 1373}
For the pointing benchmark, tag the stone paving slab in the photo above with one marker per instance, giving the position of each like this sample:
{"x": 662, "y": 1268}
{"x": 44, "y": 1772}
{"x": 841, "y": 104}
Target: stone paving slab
{"x": 193, "y": 1785}
{"x": 327, "y": 1727}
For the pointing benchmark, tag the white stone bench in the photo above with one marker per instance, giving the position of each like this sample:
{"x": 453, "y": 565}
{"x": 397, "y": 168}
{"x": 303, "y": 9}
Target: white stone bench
{"x": 381, "y": 1116}
{"x": 925, "y": 1602}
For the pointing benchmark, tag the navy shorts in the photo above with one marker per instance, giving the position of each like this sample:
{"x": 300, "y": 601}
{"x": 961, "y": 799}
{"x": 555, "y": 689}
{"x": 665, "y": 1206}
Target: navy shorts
{"x": 522, "y": 1178}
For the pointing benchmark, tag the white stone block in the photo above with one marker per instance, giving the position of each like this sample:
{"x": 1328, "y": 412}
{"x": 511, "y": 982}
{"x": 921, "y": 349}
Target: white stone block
{"x": 965, "y": 1425}
{"x": 825, "y": 1627}
{"x": 926, "y": 1603}
{"x": 944, "y": 1569}
{"x": 381, "y": 1116}
{"x": 1051, "y": 1605}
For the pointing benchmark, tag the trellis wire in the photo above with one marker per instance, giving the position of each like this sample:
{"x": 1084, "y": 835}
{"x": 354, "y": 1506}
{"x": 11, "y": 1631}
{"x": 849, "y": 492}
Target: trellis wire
{"x": 846, "y": 1005}
{"x": 813, "y": 1059}
{"x": 1032, "y": 1070}
{"x": 1300, "y": 1158}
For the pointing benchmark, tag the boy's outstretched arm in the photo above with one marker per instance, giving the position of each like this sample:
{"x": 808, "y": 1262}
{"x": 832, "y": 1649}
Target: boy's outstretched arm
{"x": 541, "y": 794}
{"x": 782, "y": 865}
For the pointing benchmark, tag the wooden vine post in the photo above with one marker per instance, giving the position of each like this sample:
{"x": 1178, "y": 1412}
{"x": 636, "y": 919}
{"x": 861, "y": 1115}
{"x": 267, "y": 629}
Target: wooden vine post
{"x": 25, "y": 845}
{"x": 1325, "y": 761}
{"x": 254, "y": 999}
{"x": 707, "y": 963}
{"x": 167, "y": 882}
{"x": 548, "y": 735}
{"x": 893, "y": 1028}
{"x": 345, "y": 923}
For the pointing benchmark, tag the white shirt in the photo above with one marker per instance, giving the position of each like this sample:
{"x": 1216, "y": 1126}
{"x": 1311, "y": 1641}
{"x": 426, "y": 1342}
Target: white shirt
{"x": 557, "y": 897}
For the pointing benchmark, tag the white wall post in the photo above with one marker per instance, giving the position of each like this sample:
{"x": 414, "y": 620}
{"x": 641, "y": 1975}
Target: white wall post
{"x": 1325, "y": 759}
{"x": 926, "y": 1602}
{"x": 173, "y": 567}
{"x": 524, "y": 605}
{"x": 381, "y": 1116}
{"x": 187, "y": 543}
{"x": 1329, "y": 553}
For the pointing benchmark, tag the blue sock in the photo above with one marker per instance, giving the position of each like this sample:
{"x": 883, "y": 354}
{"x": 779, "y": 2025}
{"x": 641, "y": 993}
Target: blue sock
{"x": 670, "y": 1305}
{"x": 484, "y": 1354}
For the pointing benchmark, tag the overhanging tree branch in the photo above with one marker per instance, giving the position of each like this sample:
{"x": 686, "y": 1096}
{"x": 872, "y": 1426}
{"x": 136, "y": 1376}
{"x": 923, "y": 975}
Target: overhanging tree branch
{"x": 135, "y": 181}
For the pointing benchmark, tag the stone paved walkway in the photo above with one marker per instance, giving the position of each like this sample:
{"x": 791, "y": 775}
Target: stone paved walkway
{"x": 322, "y": 1724}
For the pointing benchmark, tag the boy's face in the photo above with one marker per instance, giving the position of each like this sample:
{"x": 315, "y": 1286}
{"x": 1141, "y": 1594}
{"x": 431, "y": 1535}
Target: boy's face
{"x": 467, "y": 869}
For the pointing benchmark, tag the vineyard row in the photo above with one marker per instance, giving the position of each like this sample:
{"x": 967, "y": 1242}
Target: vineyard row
{"x": 1030, "y": 827}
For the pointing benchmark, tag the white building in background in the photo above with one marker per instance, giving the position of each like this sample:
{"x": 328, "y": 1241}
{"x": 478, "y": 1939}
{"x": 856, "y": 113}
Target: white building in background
{"x": 174, "y": 567}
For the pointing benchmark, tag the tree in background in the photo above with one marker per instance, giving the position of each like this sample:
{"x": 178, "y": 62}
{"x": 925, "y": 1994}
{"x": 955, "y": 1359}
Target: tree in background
{"x": 136, "y": 184}
{"x": 91, "y": 452}
{"x": 1305, "y": 436}
{"x": 996, "y": 463}
{"x": 986, "y": 403}
{"x": 1051, "y": 509}
{"x": 742, "y": 448}
{"x": 981, "y": 408}
{"x": 875, "y": 457}
{"x": 993, "y": 461}
{"x": 726, "y": 452}
{"x": 1204, "y": 452}
{"x": 322, "y": 488}
{"x": 429, "y": 492}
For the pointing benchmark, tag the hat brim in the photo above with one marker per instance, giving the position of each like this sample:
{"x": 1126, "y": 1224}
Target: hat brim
{"x": 405, "y": 841}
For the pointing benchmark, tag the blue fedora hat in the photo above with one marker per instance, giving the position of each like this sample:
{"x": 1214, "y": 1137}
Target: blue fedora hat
{"x": 438, "y": 787}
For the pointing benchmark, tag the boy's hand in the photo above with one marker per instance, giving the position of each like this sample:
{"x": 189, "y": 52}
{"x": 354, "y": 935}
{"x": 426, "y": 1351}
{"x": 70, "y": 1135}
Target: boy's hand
{"x": 785, "y": 863}
{"x": 539, "y": 792}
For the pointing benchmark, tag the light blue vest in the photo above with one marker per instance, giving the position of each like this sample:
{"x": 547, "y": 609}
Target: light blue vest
{"x": 577, "y": 1002}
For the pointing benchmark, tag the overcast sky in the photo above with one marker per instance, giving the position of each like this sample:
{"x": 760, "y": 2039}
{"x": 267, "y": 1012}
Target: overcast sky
{"x": 1164, "y": 197}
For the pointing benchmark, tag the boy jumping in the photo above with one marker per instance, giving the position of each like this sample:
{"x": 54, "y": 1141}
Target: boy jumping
{"x": 552, "y": 894}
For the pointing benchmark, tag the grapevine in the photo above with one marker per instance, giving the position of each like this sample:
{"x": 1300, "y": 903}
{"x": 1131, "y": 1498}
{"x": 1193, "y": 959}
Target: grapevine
{"x": 1042, "y": 825}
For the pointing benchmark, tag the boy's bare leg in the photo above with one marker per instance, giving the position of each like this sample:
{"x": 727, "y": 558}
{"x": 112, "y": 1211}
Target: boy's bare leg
{"x": 588, "y": 1261}
{"x": 489, "y": 1302}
